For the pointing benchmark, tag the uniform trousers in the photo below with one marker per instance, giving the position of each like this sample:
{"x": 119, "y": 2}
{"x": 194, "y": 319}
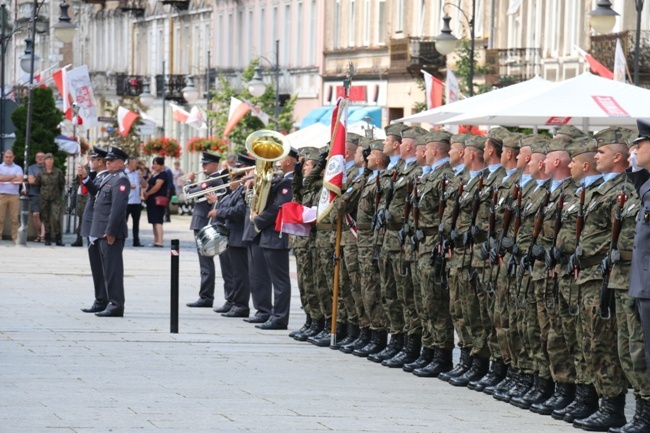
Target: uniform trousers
{"x": 208, "y": 275}
{"x": 370, "y": 284}
{"x": 277, "y": 266}
{"x": 306, "y": 286}
{"x": 438, "y": 328}
{"x": 228, "y": 278}
{"x": 631, "y": 347}
{"x": 97, "y": 271}
{"x": 259, "y": 280}
{"x": 238, "y": 258}
{"x": 113, "y": 267}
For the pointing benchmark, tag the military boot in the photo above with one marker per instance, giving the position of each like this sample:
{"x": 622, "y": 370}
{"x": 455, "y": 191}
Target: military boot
{"x": 315, "y": 328}
{"x": 522, "y": 383}
{"x": 585, "y": 403}
{"x": 540, "y": 392}
{"x": 610, "y": 414}
{"x": 426, "y": 357}
{"x": 48, "y": 239}
{"x": 59, "y": 240}
{"x": 409, "y": 353}
{"x": 361, "y": 341}
{"x": 641, "y": 421}
{"x": 476, "y": 372}
{"x": 305, "y": 327}
{"x": 505, "y": 384}
{"x": 351, "y": 335}
{"x": 341, "y": 334}
{"x": 441, "y": 364}
{"x": 323, "y": 338}
{"x": 376, "y": 345}
{"x": 393, "y": 348}
{"x": 495, "y": 375}
{"x": 563, "y": 395}
{"x": 463, "y": 365}
{"x": 79, "y": 242}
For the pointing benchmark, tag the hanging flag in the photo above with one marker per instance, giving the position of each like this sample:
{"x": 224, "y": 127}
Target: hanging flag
{"x": 451, "y": 90}
{"x": 295, "y": 219}
{"x": 60, "y": 78}
{"x": 619, "y": 63}
{"x": 81, "y": 89}
{"x": 238, "y": 110}
{"x": 179, "y": 114}
{"x": 145, "y": 116}
{"x": 257, "y": 112}
{"x": 334, "y": 177}
{"x": 125, "y": 119}
{"x": 196, "y": 118}
{"x": 595, "y": 66}
{"x": 433, "y": 90}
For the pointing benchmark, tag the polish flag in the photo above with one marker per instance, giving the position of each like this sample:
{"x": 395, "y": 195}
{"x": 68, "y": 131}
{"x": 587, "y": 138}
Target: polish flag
{"x": 595, "y": 66}
{"x": 125, "y": 119}
{"x": 433, "y": 89}
{"x": 196, "y": 119}
{"x": 295, "y": 219}
{"x": 60, "y": 78}
{"x": 334, "y": 177}
{"x": 238, "y": 109}
{"x": 179, "y": 114}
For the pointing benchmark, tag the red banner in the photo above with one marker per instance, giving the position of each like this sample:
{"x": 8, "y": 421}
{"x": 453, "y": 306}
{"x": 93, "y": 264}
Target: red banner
{"x": 357, "y": 93}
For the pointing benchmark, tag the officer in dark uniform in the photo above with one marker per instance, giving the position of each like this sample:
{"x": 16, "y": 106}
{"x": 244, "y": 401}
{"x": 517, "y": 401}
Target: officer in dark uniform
{"x": 275, "y": 246}
{"x": 92, "y": 179}
{"x": 200, "y": 219}
{"x": 109, "y": 229}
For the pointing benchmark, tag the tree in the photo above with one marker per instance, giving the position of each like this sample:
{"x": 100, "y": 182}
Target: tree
{"x": 250, "y": 123}
{"x": 462, "y": 69}
{"x": 45, "y": 127}
{"x": 132, "y": 143}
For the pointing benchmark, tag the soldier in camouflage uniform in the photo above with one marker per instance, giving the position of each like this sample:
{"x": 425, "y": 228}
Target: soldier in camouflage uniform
{"x": 303, "y": 249}
{"x": 429, "y": 275}
{"x": 398, "y": 277}
{"x": 51, "y": 184}
{"x": 599, "y": 338}
{"x": 368, "y": 254}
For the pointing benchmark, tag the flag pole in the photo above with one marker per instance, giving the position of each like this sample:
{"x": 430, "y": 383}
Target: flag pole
{"x": 337, "y": 244}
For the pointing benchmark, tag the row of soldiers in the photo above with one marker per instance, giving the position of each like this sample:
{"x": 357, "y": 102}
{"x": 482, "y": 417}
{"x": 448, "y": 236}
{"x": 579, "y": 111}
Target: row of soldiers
{"x": 520, "y": 245}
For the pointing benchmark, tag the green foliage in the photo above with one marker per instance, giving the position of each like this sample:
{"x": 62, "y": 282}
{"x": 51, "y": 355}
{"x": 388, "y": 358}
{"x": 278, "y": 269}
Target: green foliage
{"x": 221, "y": 105}
{"x": 462, "y": 69}
{"x": 45, "y": 127}
{"x": 132, "y": 143}
{"x": 420, "y": 106}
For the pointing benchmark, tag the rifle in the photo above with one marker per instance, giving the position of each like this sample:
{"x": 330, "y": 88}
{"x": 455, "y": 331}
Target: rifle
{"x": 488, "y": 244}
{"x": 384, "y": 215}
{"x": 472, "y": 232}
{"x": 418, "y": 235}
{"x": 375, "y": 223}
{"x": 613, "y": 257}
{"x": 528, "y": 260}
{"x": 574, "y": 260}
{"x": 553, "y": 255}
{"x": 438, "y": 253}
{"x": 450, "y": 243}
{"x": 404, "y": 232}
{"x": 511, "y": 266}
{"x": 497, "y": 260}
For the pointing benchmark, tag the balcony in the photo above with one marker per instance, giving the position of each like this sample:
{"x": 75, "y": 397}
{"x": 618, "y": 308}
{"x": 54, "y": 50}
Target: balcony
{"x": 128, "y": 85}
{"x": 511, "y": 65}
{"x": 134, "y": 7}
{"x": 179, "y": 5}
{"x": 174, "y": 89}
{"x": 413, "y": 55}
{"x": 603, "y": 48}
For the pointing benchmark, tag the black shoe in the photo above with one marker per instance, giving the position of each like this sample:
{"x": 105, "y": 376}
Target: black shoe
{"x": 585, "y": 403}
{"x": 442, "y": 363}
{"x": 463, "y": 365}
{"x": 223, "y": 309}
{"x": 137, "y": 244}
{"x": 476, "y": 372}
{"x": 304, "y": 327}
{"x": 315, "y": 329}
{"x": 426, "y": 357}
{"x": 255, "y": 319}
{"x": 236, "y": 313}
{"x": 48, "y": 240}
{"x": 78, "y": 243}
{"x": 409, "y": 353}
{"x": 521, "y": 386}
{"x": 323, "y": 338}
{"x": 541, "y": 391}
{"x": 200, "y": 303}
{"x": 361, "y": 341}
{"x": 611, "y": 414}
{"x": 563, "y": 395}
{"x": 115, "y": 312}
{"x": 641, "y": 421}
{"x": 377, "y": 344}
{"x": 95, "y": 308}
{"x": 271, "y": 325}
{"x": 495, "y": 375}
{"x": 393, "y": 348}
{"x": 352, "y": 333}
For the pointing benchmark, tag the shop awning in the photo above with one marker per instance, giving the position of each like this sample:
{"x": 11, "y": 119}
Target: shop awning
{"x": 315, "y": 116}
{"x": 355, "y": 114}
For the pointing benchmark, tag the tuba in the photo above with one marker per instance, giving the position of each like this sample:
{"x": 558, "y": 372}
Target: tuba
{"x": 266, "y": 147}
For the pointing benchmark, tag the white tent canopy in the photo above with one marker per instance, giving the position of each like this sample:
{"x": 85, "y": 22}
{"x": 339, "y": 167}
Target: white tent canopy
{"x": 444, "y": 112}
{"x": 315, "y": 135}
{"x": 585, "y": 101}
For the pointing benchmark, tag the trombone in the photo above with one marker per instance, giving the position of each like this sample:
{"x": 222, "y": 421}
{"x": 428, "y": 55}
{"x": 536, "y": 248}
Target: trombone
{"x": 232, "y": 172}
{"x": 220, "y": 190}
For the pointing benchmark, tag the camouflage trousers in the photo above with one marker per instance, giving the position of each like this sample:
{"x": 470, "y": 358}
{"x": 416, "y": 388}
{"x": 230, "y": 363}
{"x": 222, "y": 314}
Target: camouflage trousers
{"x": 371, "y": 289}
{"x": 437, "y": 326}
{"x": 408, "y": 291}
{"x": 631, "y": 351}
{"x": 51, "y": 216}
{"x": 306, "y": 282}
{"x": 501, "y": 315}
{"x": 600, "y": 344}
{"x": 570, "y": 335}
{"x": 475, "y": 310}
{"x": 456, "y": 309}
{"x": 389, "y": 271}
{"x": 324, "y": 268}
{"x": 524, "y": 334}
{"x": 350, "y": 278}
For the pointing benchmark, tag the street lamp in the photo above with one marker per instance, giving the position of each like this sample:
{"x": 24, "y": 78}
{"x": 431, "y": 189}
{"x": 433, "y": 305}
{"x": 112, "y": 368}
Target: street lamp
{"x": 26, "y": 62}
{"x": 190, "y": 93}
{"x": 30, "y": 67}
{"x": 446, "y": 42}
{"x": 146, "y": 98}
{"x": 256, "y": 86}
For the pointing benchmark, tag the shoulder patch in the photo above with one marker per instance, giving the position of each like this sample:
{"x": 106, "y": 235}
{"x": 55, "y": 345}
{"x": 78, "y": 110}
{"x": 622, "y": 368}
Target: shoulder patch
{"x": 285, "y": 191}
{"x": 122, "y": 188}
{"x": 204, "y": 185}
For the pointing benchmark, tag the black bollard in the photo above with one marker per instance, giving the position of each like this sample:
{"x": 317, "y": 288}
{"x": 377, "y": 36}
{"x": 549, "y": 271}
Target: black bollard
{"x": 173, "y": 314}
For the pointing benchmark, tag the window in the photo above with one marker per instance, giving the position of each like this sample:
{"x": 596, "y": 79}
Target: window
{"x": 286, "y": 38}
{"x": 399, "y": 16}
{"x": 299, "y": 36}
{"x": 382, "y": 24}
{"x": 366, "y": 23}
{"x": 260, "y": 32}
{"x": 220, "y": 54}
{"x": 352, "y": 25}
{"x": 336, "y": 43}
{"x": 240, "y": 37}
{"x": 312, "y": 33}
{"x": 228, "y": 36}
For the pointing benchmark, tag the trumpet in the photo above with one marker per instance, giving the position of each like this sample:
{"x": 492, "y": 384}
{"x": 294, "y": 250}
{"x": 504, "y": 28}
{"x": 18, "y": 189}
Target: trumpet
{"x": 232, "y": 172}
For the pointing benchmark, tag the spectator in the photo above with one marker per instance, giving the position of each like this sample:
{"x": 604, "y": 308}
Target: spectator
{"x": 134, "y": 208}
{"x": 51, "y": 184}
{"x": 10, "y": 177}
{"x": 32, "y": 172}
{"x": 156, "y": 199}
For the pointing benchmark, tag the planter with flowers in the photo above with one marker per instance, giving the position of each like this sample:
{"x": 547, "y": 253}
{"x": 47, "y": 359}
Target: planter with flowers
{"x": 211, "y": 144}
{"x": 162, "y": 146}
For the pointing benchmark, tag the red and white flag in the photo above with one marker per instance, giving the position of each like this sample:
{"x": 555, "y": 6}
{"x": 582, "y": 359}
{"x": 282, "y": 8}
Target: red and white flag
{"x": 335, "y": 171}
{"x": 60, "y": 78}
{"x": 595, "y": 66}
{"x": 257, "y": 112}
{"x": 80, "y": 87}
{"x": 433, "y": 89}
{"x": 295, "y": 219}
{"x": 238, "y": 109}
{"x": 125, "y": 119}
{"x": 179, "y": 114}
{"x": 619, "y": 63}
{"x": 196, "y": 119}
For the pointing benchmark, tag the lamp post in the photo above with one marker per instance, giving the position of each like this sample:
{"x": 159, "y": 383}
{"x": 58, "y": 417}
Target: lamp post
{"x": 446, "y": 42}
{"x": 62, "y": 31}
{"x": 256, "y": 86}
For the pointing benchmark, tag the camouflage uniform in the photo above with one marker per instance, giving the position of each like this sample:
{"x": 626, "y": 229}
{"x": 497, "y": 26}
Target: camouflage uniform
{"x": 51, "y": 186}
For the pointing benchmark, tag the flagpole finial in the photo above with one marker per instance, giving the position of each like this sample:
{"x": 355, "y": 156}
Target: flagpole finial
{"x": 348, "y": 76}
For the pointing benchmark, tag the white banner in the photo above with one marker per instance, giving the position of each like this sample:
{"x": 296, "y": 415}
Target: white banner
{"x": 619, "y": 63}
{"x": 81, "y": 90}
